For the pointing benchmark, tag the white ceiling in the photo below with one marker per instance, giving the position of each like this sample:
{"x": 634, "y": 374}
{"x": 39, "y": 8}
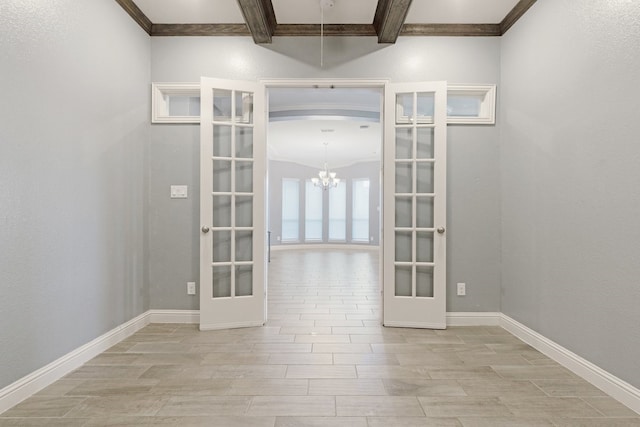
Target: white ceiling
{"x": 343, "y": 11}
{"x": 347, "y": 119}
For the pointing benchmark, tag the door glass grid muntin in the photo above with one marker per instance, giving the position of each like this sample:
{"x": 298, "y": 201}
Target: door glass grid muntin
{"x": 411, "y": 160}
{"x": 234, "y": 270}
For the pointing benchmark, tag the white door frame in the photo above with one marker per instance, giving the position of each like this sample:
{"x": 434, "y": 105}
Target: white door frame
{"x": 351, "y": 84}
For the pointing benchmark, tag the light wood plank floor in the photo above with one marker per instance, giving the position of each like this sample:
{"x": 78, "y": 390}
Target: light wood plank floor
{"x": 322, "y": 360}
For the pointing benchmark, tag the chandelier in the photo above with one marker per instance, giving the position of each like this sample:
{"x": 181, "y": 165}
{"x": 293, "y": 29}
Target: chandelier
{"x": 325, "y": 179}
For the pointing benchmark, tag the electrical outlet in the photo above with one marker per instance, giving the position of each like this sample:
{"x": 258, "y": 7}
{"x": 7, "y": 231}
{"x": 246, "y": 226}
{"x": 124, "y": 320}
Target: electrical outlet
{"x": 462, "y": 289}
{"x": 191, "y": 288}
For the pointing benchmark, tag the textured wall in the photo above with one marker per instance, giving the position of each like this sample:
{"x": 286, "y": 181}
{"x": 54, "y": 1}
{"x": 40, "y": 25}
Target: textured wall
{"x": 74, "y": 80}
{"x": 473, "y": 199}
{"x": 569, "y": 160}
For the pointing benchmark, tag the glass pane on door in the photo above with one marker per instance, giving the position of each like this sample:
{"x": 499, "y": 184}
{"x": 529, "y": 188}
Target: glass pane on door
{"x": 221, "y": 279}
{"x": 425, "y": 107}
{"x": 221, "y": 246}
{"x": 404, "y": 211}
{"x": 403, "y": 281}
{"x": 404, "y": 108}
{"x": 244, "y": 142}
{"x": 221, "y": 211}
{"x": 424, "y": 281}
{"x": 424, "y": 212}
{"x": 404, "y": 143}
{"x": 221, "y": 176}
{"x": 232, "y": 198}
{"x": 404, "y": 177}
{"x": 244, "y": 107}
{"x": 221, "y": 141}
{"x": 244, "y": 280}
{"x": 244, "y": 211}
{"x": 424, "y": 143}
{"x": 244, "y": 177}
{"x": 414, "y": 186}
{"x": 221, "y": 105}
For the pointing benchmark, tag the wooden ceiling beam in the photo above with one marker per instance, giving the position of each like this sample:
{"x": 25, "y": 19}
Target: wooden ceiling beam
{"x": 455, "y": 30}
{"x": 199, "y": 30}
{"x": 260, "y": 18}
{"x": 388, "y": 24}
{"x": 302, "y": 30}
{"x": 516, "y": 13}
{"x": 389, "y": 19}
{"x": 134, "y": 11}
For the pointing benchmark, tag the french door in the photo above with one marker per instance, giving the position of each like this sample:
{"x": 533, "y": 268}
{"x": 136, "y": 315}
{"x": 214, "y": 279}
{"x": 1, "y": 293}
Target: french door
{"x": 232, "y": 205}
{"x": 233, "y": 186}
{"x": 414, "y": 258}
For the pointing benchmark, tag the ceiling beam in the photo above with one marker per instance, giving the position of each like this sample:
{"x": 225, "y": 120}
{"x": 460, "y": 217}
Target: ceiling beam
{"x": 515, "y": 14}
{"x": 302, "y": 30}
{"x": 134, "y": 11}
{"x": 455, "y": 30}
{"x": 199, "y": 30}
{"x": 260, "y": 18}
{"x": 389, "y": 18}
{"x": 313, "y": 30}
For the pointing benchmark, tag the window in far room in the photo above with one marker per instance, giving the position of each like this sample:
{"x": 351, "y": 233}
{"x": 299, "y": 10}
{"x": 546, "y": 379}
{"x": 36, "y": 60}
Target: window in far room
{"x": 360, "y": 209}
{"x": 338, "y": 212}
{"x": 313, "y": 212}
{"x": 290, "y": 210}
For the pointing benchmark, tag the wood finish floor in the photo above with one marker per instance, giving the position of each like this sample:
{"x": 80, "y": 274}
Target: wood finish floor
{"x": 322, "y": 360}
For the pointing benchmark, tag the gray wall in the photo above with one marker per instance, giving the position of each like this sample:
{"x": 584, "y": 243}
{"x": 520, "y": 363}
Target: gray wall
{"x": 279, "y": 170}
{"x": 473, "y": 189}
{"x": 74, "y": 122}
{"x": 570, "y": 157}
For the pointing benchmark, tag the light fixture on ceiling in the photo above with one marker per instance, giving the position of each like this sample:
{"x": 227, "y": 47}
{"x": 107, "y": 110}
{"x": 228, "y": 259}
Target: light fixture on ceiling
{"x": 324, "y": 4}
{"x": 325, "y": 179}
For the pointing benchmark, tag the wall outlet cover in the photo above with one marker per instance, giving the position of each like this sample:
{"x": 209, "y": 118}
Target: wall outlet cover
{"x": 191, "y": 288}
{"x": 462, "y": 289}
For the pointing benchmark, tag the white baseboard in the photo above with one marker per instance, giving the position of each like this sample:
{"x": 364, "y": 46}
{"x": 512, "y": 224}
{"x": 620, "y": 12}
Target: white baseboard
{"x": 174, "y": 316}
{"x": 37, "y": 380}
{"x": 27, "y": 386}
{"x": 610, "y": 384}
{"x": 473, "y": 319}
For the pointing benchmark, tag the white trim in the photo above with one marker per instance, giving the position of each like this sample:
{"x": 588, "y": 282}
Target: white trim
{"x": 159, "y": 108}
{"x": 160, "y": 113}
{"x": 26, "y": 386}
{"x": 487, "y": 113}
{"x": 610, "y": 384}
{"x": 174, "y": 316}
{"x": 473, "y": 318}
{"x": 299, "y": 247}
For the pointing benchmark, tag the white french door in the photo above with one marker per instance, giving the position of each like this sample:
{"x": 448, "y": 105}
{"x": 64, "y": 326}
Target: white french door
{"x": 415, "y": 154}
{"x": 233, "y": 184}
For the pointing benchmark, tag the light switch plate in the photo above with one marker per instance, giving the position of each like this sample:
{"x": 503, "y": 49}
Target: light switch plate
{"x": 179, "y": 191}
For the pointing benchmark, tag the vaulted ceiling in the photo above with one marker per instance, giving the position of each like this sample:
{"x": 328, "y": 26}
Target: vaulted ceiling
{"x": 384, "y": 19}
